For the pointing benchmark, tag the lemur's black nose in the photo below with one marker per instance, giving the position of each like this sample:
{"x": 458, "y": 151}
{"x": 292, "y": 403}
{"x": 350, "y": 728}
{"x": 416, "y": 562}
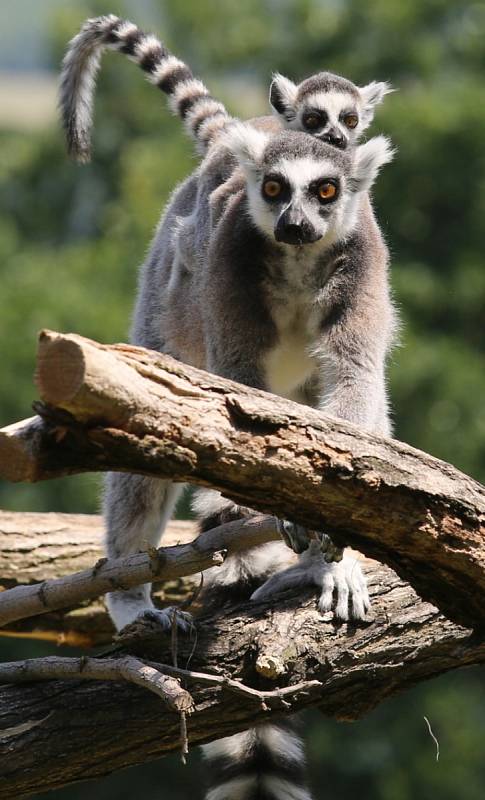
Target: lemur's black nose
{"x": 335, "y": 138}
{"x": 291, "y": 234}
{"x": 291, "y": 229}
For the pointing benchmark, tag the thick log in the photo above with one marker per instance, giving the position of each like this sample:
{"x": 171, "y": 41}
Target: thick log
{"x": 265, "y": 646}
{"x": 42, "y": 546}
{"x": 36, "y": 547}
{"x": 122, "y": 407}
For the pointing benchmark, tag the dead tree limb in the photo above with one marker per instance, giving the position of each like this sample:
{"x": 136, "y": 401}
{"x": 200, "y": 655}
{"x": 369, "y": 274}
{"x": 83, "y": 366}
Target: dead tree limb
{"x": 208, "y": 550}
{"x": 265, "y": 647}
{"x": 36, "y": 547}
{"x": 125, "y": 408}
{"x": 127, "y": 668}
{"x": 41, "y": 546}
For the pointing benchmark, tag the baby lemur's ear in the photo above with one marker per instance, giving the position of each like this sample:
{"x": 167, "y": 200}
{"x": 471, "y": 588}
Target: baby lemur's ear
{"x": 246, "y": 143}
{"x": 282, "y": 96}
{"x": 373, "y": 94}
{"x": 368, "y": 160}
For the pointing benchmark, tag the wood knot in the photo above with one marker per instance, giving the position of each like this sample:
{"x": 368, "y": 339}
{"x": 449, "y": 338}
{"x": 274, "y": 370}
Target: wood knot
{"x": 271, "y": 667}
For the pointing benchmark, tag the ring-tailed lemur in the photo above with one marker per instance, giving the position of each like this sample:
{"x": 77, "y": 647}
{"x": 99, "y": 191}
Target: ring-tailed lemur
{"x": 327, "y": 105}
{"x": 281, "y": 285}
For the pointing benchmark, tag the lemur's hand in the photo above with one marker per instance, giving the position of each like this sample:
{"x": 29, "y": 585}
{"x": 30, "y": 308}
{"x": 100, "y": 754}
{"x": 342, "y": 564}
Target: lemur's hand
{"x": 342, "y": 583}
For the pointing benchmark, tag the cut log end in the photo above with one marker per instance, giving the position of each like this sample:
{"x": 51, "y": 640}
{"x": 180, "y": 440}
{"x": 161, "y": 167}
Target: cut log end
{"x": 60, "y": 370}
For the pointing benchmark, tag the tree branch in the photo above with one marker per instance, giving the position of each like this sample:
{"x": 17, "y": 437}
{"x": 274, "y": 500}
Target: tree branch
{"x": 125, "y": 408}
{"x": 157, "y": 678}
{"x": 127, "y": 668}
{"x": 208, "y": 550}
{"x": 41, "y": 546}
{"x": 35, "y": 546}
{"x": 118, "y": 724}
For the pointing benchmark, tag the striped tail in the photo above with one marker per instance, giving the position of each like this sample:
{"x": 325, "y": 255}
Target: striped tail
{"x": 204, "y": 117}
{"x": 264, "y": 763}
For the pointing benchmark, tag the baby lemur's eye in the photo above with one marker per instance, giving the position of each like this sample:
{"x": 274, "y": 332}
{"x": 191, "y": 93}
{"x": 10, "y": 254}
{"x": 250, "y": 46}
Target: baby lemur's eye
{"x": 326, "y": 191}
{"x": 351, "y": 120}
{"x": 272, "y": 188}
{"x": 312, "y": 121}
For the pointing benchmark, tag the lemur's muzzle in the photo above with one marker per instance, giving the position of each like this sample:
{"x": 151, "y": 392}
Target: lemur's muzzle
{"x": 335, "y": 138}
{"x": 294, "y": 228}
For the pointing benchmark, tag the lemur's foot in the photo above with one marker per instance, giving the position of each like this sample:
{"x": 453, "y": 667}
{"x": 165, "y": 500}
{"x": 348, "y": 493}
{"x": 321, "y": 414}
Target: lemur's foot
{"x": 165, "y": 618}
{"x": 343, "y": 584}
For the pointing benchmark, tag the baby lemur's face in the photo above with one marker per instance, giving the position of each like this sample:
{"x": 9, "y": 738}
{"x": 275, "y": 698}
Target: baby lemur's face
{"x": 301, "y": 190}
{"x": 327, "y": 106}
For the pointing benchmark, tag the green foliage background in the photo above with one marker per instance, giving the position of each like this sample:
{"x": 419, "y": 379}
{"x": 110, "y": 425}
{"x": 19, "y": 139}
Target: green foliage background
{"x": 71, "y": 239}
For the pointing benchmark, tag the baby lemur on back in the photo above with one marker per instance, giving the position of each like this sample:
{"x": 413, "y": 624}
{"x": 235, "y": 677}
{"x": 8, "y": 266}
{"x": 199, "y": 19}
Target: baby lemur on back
{"x": 267, "y": 267}
{"x": 280, "y": 283}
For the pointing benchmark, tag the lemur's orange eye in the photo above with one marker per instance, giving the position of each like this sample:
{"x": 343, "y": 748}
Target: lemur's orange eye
{"x": 312, "y": 121}
{"x": 272, "y": 188}
{"x": 351, "y": 120}
{"x": 327, "y": 191}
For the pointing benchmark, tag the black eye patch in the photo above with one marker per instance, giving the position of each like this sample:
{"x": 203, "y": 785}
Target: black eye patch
{"x": 314, "y": 118}
{"x": 275, "y": 188}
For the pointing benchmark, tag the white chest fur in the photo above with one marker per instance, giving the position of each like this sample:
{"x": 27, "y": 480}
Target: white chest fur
{"x": 290, "y": 363}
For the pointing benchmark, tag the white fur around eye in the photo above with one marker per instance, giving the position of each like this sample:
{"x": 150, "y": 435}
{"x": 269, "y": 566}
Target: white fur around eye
{"x": 300, "y": 172}
{"x": 332, "y": 102}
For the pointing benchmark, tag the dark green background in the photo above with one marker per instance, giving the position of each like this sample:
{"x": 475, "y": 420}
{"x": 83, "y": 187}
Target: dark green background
{"x": 71, "y": 239}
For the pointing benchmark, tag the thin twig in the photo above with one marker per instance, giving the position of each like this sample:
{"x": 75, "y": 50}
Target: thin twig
{"x": 264, "y": 697}
{"x": 184, "y": 742}
{"x": 126, "y": 668}
{"x": 162, "y": 679}
{"x": 433, "y": 738}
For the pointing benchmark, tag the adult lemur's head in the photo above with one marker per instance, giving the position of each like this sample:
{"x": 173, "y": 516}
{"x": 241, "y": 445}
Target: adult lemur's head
{"x": 329, "y": 107}
{"x": 302, "y": 190}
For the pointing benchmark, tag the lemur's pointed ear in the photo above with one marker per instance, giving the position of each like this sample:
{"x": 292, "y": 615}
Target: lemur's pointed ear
{"x": 369, "y": 158}
{"x": 282, "y": 96}
{"x": 246, "y": 143}
{"x": 373, "y": 94}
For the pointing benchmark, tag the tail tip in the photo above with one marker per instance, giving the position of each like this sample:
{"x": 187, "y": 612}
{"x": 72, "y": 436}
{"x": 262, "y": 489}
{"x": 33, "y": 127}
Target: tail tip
{"x": 79, "y": 147}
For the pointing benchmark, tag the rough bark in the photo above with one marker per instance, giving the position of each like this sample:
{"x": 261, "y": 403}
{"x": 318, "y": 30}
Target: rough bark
{"x": 121, "y": 407}
{"x": 36, "y": 547}
{"x": 41, "y": 546}
{"x": 118, "y": 725}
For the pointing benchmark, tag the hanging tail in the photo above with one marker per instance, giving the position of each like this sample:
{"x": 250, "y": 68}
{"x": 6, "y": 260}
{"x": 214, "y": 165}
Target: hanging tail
{"x": 264, "y": 763}
{"x": 204, "y": 117}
